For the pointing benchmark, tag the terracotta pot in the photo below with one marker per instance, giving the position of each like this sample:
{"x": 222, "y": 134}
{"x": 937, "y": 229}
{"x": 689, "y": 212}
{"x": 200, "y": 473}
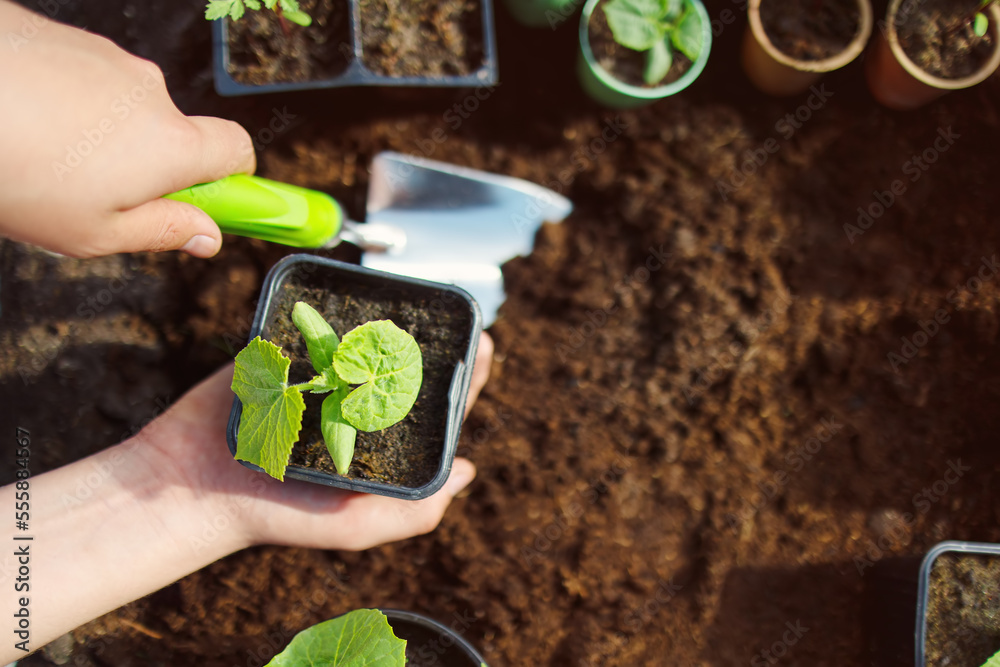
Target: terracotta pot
{"x": 777, "y": 73}
{"x": 896, "y": 81}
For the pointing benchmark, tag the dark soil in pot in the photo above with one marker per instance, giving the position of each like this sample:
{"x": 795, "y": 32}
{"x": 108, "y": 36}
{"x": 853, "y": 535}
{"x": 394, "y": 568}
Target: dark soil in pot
{"x": 963, "y": 610}
{"x": 261, "y": 52}
{"x": 421, "y": 37}
{"x": 405, "y": 454}
{"x": 810, "y": 29}
{"x": 938, "y": 38}
{"x": 623, "y": 63}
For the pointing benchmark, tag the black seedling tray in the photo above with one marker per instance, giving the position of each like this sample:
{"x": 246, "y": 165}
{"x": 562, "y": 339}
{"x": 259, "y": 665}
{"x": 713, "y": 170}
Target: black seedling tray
{"x": 320, "y": 269}
{"x": 356, "y": 74}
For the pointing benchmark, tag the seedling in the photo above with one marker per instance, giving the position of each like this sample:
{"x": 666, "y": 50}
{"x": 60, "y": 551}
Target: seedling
{"x": 980, "y": 22}
{"x": 361, "y": 638}
{"x": 656, "y": 27}
{"x": 235, "y": 9}
{"x": 381, "y": 358}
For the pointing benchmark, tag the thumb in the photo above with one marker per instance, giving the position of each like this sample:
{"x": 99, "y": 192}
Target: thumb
{"x": 164, "y": 224}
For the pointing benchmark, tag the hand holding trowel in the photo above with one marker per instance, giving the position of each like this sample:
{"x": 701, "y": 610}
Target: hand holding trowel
{"x": 425, "y": 219}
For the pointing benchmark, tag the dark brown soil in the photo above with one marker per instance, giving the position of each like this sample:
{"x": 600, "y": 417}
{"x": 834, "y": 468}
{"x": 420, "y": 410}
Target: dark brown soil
{"x": 421, "y": 37}
{"x": 963, "y": 603}
{"x": 261, "y": 52}
{"x": 810, "y": 29}
{"x": 617, "y": 452}
{"x": 939, "y": 39}
{"x": 408, "y": 453}
{"x": 625, "y": 64}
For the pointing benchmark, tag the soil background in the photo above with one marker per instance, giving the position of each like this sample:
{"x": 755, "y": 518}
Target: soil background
{"x": 640, "y": 405}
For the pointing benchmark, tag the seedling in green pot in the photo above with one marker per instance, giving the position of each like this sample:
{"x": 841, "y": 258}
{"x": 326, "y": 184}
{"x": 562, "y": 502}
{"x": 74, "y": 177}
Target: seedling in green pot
{"x": 382, "y": 359}
{"x": 658, "y": 28}
{"x": 235, "y": 9}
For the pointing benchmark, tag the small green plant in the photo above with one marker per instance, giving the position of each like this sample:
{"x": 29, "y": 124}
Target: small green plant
{"x": 980, "y": 22}
{"x": 235, "y": 9}
{"x": 656, "y": 27}
{"x": 381, "y": 358}
{"x": 361, "y": 638}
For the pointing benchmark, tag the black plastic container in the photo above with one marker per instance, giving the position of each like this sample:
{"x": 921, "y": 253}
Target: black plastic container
{"x": 436, "y": 643}
{"x": 896, "y": 597}
{"x": 356, "y": 74}
{"x": 314, "y": 271}
{"x": 964, "y": 548}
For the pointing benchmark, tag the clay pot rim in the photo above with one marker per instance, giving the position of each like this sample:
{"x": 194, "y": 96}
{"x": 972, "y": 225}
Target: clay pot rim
{"x": 850, "y": 52}
{"x": 983, "y": 73}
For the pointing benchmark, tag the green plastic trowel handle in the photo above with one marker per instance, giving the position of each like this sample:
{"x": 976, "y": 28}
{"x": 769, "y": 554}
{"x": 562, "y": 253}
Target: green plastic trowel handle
{"x": 264, "y": 209}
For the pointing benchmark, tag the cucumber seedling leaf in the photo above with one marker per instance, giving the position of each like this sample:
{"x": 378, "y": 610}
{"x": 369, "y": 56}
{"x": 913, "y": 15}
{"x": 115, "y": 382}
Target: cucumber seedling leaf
{"x": 321, "y": 340}
{"x": 362, "y": 638}
{"x": 687, "y": 37}
{"x": 386, "y": 362}
{"x": 634, "y": 22}
{"x": 338, "y": 434}
{"x": 272, "y": 411}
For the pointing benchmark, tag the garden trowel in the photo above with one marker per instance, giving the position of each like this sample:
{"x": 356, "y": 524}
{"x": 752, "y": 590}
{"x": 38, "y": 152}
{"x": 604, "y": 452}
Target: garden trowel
{"x": 425, "y": 219}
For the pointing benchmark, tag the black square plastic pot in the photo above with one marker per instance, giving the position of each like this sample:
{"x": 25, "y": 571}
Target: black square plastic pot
{"x": 896, "y": 598}
{"x": 953, "y": 546}
{"x": 356, "y": 74}
{"x": 434, "y": 642}
{"x": 312, "y": 272}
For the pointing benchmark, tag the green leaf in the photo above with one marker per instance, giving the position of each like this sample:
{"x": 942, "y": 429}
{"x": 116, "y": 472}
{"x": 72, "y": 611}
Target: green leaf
{"x": 272, "y": 411}
{"x": 635, "y": 23}
{"x": 216, "y": 9}
{"x": 252, "y": 4}
{"x": 300, "y": 18}
{"x": 326, "y": 381}
{"x": 338, "y": 434}
{"x": 980, "y": 25}
{"x": 321, "y": 341}
{"x": 658, "y": 62}
{"x": 993, "y": 661}
{"x": 362, "y": 638}
{"x": 687, "y": 37}
{"x": 237, "y": 10}
{"x": 671, "y": 9}
{"x": 386, "y": 362}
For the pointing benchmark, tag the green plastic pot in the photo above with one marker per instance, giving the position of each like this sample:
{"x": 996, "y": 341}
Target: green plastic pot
{"x": 542, "y": 13}
{"x": 609, "y": 91}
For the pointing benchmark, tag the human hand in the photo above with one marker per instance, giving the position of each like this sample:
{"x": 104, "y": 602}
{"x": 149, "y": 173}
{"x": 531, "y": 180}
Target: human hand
{"x": 195, "y": 461}
{"x": 91, "y": 141}
{"x": 171, "y": 500}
